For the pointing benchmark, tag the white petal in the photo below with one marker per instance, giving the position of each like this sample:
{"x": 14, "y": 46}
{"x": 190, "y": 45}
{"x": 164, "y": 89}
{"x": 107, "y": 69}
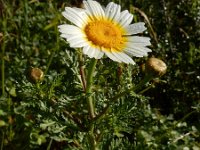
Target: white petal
{"x": 81, "y": 10}
{"x": 135, "y": 50}
{"x": 78, "y": 44}
{"x": 138, "y": 48}
{"x": 73, "y": 37}
{"x": 145, "y": 48}
{"x": 135, "y": 53}
{"x": 94, "y": 9}
{"x": 111, "y": 56}
{"x": 77, "y": 41}
{"x": 141, "y": 48}
{"x": 86, "y": 49}
{"x": 76, "y": 17}
{"x": 92, "y": 52}
{"x": 138, "y": 44}
{"x": 66, "y": 36}
{"x": 123, "y": 57}
{"x": 135, "y": 28}
{"x": 98, "y": 53}
{"x": 140, "y": 41}
{"x": 69, "y": 29}
{"x": 125, "y": 18}
{"x": 113, "y": 11}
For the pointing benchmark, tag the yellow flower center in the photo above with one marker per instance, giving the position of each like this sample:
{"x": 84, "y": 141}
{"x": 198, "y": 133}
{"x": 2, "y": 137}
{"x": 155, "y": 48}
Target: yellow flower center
{"x": 105, "y": 34}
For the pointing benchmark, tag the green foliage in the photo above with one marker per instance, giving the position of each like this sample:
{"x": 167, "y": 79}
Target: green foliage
{"x": 53, "y": 113}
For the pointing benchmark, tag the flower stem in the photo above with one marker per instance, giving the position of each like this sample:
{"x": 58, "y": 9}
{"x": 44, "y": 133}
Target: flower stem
{"x": 89, "y": 88}
{"x": 53, "y": 52}
{"x": 82, "y": 71}
{"x": 4, "y": 24}
{"x": 91, "y": 108}
{"x": 49, "y": 145}
{"x": 3, "y": 69}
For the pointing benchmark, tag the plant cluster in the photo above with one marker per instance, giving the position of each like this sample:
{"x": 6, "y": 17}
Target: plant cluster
{"x": 43, "y": 103}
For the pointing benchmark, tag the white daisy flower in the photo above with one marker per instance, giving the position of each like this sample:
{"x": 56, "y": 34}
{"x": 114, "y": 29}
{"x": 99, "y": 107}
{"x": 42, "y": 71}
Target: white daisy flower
{"x": 102, "y": 31}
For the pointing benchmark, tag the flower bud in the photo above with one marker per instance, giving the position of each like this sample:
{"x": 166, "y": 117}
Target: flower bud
{"x": 155, "y": 67}
{"x": 35, "y": 75}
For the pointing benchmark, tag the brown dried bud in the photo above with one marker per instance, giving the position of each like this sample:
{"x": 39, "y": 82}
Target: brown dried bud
{"x": 155, "y": 66}
{"x": 35, "y": 75}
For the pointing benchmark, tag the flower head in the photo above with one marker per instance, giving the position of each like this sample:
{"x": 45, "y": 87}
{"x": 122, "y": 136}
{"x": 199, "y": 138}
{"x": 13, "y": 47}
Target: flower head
{"x": 102, "y": 31}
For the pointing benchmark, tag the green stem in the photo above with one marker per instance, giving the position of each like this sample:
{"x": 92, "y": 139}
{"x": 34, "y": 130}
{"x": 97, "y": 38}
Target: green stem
{"x": 49, "y": 145}
{"x": 53, "y": 51}
{"x": 3, "y": 69}
{"x": 91, "y": 138}
{"x": 116, "y": 97}
{"x": 185, "y": 117}
{"x": 90, "y": 103}
{"x": 146, "y": 89}
{"x": 49, "y": 61}
{"x": 4, "y": 24}
{"x": 89, "y": 88}
{"x": 82, "y": 71}
{"x": 181, "y": 120}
